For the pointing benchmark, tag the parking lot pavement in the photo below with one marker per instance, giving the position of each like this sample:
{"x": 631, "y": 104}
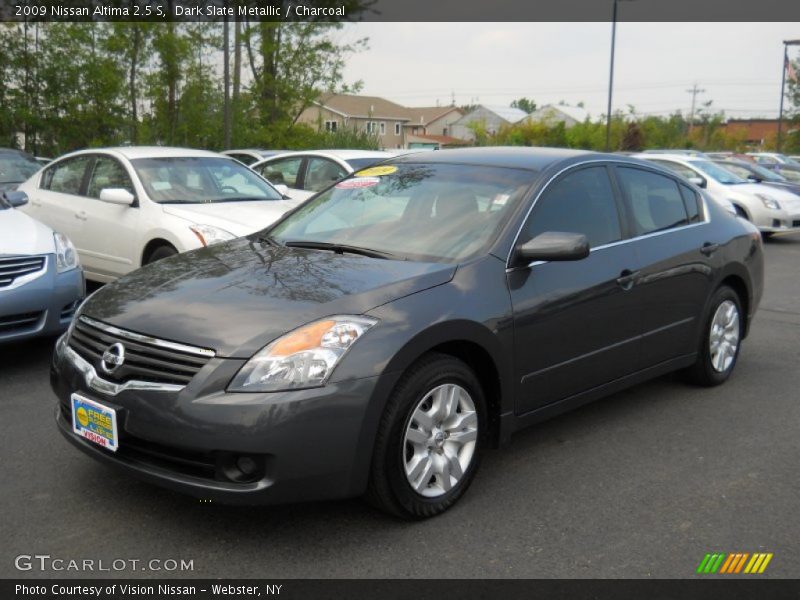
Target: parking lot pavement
{"x": 641, "y": 484}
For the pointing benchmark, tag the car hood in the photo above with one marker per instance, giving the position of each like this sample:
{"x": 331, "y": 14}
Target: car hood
{"x": 237, "y": 297}
{"x": 240, "y": 218}
{"x": 21, "y": 234}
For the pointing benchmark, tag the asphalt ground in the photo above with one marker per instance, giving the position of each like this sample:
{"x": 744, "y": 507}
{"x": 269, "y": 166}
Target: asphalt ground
{"x": 641, "y": 484}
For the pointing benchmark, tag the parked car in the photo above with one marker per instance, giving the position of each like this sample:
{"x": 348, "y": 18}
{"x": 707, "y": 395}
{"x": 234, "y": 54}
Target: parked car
{"x": 379, "y": 337}
{"x": 678, "y": 151}
{"x": 308, "y": 172}
{"x": 781, "y": 164}
{"x": 41, "y": 283}
{"x": 127, "y": 207}
{"x": 251, "y": 155}
{"x": 770, "y": 209}
{"x": 15, "y": 167}
{"x": 758, "y": 174}
{"x": 772, "y": 159}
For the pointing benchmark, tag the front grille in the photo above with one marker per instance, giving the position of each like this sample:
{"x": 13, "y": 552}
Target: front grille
{"x": 20, "y": 322}
{"x": 15, "y": 267}
{"x": 146, "y": 359}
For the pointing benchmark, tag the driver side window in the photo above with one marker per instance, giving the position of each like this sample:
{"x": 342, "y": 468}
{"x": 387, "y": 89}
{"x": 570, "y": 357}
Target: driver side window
{"x": 108, "y": 173}
{"x": 580, "y": 202}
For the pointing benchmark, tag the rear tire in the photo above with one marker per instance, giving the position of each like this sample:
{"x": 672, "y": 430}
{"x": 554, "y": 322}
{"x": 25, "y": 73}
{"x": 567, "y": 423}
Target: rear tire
{"x": 721, "y": 339}
{"x": 159, "y": 253}
{"x": 429, "y": 440}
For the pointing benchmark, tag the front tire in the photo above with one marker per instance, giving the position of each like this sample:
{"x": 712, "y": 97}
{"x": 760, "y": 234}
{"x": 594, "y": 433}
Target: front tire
{"x": 160, "y": 253}
{"x": 721, "y": 339}
{"x": 429, "y": 440}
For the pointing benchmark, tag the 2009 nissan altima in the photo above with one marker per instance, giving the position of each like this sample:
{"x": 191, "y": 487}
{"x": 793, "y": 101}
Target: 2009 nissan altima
{"x": 379, "y": 337}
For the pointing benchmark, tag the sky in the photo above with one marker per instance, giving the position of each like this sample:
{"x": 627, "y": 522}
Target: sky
{"x": 738, "y": 65}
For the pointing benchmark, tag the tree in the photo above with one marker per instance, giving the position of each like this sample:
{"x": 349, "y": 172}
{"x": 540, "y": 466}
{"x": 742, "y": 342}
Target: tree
{"x": 633, "y": 140}
{"x": 525, "y": 104}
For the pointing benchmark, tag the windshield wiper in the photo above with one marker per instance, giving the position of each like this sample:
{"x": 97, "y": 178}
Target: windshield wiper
{"x": 341, "y": 249}
{"x": 268, "y": 239}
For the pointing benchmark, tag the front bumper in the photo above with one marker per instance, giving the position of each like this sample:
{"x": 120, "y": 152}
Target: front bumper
{"x": 42, "y": 307}
{"x": 308, "y": 444}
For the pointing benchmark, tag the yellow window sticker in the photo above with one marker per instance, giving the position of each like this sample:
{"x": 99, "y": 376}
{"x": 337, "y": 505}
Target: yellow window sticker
{"x": 377, "y": 171}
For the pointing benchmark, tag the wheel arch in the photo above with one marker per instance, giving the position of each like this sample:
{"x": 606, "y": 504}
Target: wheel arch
{"x": 152, "y": 245}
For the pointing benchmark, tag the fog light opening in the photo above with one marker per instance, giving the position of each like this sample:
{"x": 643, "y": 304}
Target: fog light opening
{"x": 241, "y": 468}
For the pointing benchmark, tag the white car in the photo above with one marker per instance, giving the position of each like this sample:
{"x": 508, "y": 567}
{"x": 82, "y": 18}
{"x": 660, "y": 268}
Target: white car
{"x": 307, "y": 172}
{"x": 770, "y": 209}
{"x": 248, "y": 156}
{"x": 127, "y": 207}
{"x": 773, "y": 159}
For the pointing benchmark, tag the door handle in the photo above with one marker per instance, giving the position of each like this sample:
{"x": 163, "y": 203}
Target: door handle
{"x": 81, "y": 215}
{"x": 708, "y": 248}
{"x": 626, "y": 279}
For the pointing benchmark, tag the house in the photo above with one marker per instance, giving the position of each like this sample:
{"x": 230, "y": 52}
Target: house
{"x": 550, "y": 114}
{"x": 363, "y": 113}
{"x": 489, "y": 117}
{"x": 432, "y": 120}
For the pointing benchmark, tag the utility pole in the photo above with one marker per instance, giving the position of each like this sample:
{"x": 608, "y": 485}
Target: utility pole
{"x": 694, "y": 91}
{"x": 226, "y": 108}
{"x": 786, "y": 45}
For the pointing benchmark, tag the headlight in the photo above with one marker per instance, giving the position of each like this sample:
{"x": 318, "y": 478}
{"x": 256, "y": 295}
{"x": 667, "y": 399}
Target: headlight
{"x": 66, "y": 254}
{"x": 208, "y": 234}
{"x": 769, "y": 202}
{"x": 302, "y": 358}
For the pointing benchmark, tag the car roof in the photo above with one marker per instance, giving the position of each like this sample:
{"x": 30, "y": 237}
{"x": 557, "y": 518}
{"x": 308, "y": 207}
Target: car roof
{"x": 650, "y": 156}
{"x": 134, "y": 152}
{"x": 340, "y": 154}
{"x": 518, "y": 157}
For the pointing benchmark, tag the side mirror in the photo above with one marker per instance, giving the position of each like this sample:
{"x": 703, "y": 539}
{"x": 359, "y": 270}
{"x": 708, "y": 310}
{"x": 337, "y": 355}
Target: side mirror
{"x": 698, "y": 181}
{"x": 754, "y": 177}
{"x": 117, "y": 196}
{"x": 551, "y": 245}
{"x": 15, "y": 199}
{"x": 282, "y": 189}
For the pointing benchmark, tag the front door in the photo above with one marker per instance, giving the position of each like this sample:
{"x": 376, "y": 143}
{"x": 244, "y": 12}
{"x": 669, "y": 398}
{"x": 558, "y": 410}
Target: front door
{"x": 576, "y": 323}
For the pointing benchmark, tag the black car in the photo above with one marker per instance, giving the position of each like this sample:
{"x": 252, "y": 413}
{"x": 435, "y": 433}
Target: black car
{"x": 15, "y": 167}
{"x": 377, "y": 338}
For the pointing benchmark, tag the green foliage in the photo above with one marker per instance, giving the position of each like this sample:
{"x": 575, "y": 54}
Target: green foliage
{"x": 65, "y": 86}
{"x": 525, "y": 104}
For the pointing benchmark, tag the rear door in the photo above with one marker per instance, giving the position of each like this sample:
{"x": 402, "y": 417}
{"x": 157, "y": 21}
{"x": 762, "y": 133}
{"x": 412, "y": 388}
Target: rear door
{"x": 59, "y": 203}
{"x": 576, "y": 324}
{"x": 677, "y": 252}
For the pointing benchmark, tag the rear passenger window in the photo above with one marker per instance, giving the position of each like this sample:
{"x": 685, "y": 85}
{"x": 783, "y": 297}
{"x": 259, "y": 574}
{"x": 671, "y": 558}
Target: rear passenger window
{"x": 692, "y": 202}
{"x": 66, "y": 177}
{"x": 655, "y": 202}
{"x": 580, "y": 202}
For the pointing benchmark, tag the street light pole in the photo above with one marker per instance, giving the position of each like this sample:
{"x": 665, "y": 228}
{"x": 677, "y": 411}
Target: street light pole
{"x": 785, "y": 64}
{"x": 611, "y": 76}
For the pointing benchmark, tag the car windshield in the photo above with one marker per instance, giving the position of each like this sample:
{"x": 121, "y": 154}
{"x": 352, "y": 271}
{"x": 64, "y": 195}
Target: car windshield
{"x": 716, "y": 172}
{"x": 16, "y": 168}
{"x": 203, "y": 179}
{"x": 426, "y": 212}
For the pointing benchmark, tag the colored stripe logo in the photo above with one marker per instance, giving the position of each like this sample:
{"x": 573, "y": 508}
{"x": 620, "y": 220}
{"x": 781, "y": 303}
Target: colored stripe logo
{"x": 734, "y": 563}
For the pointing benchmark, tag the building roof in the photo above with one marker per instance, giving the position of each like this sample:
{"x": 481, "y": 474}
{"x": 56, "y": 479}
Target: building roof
{"x": 365, "y": 107}
{"x": 422, "y": 115}
{"x": 576, "y": 113}
{"x": 510, "y": 114}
